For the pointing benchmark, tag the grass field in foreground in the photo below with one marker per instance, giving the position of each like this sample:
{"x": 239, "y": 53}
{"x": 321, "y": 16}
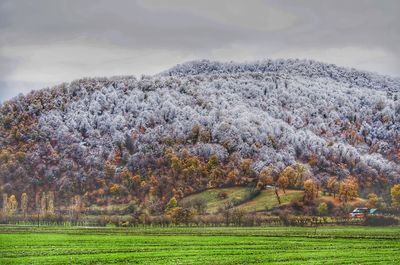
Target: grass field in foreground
{"x": 189, "y": 245}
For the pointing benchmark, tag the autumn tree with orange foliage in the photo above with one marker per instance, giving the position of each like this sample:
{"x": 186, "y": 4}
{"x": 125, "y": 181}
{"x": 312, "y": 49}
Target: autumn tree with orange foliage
{"x": 290, "y": 174}
{"x": 245, "y": 166}
{"x": 265, "y": 178}
{"x": 348, "y": 189}
{"x": 310, "y": 190}
{"x": 283, "y": 182}
{"x": 12, "y": 205}
{"x": 233, "y": 176}
{"x": 301, "y": 172}
{"x": 333, "y": 185}
{"x": 372, "y": 200}
{"x": 395, "y": 192}
{"x": 116, "y": 189}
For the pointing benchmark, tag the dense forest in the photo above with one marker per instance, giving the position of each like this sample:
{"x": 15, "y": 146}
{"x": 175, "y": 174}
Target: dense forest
{"x": 201, "y": 125}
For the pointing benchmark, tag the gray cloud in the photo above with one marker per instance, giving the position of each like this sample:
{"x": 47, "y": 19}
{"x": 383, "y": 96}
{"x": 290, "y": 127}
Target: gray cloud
{"x": 47, "y": 42}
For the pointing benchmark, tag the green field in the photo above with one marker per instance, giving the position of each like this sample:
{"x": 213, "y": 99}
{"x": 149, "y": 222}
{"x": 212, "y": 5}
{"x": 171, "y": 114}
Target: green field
{"x": 196, "y": 245}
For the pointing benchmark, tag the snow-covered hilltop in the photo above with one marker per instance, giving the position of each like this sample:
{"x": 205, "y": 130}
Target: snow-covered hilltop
{"x": 306, "y": 68}
{"x": 74, "y": 136}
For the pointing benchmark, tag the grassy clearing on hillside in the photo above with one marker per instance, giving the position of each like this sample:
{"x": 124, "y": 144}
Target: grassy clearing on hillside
{"x": 355, "y": 202}
{"x": 266, "y": 200}
{"x": 214, "y": 202}
{"x": 189, "y": 245}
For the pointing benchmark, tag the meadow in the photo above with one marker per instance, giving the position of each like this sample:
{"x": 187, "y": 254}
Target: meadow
{"x": 199, "y": 245}
{"x": 243, "y": 198}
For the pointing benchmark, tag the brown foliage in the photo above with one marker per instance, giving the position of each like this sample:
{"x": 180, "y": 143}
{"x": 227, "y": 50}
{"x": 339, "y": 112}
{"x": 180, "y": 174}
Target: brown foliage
{"x": 348, "y": 189}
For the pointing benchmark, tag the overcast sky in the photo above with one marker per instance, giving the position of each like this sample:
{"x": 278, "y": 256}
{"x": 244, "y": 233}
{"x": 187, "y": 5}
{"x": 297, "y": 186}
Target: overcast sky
{"x": 46, "y": 42}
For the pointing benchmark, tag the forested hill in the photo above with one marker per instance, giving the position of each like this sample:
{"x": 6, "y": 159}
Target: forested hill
{"x": 201, "y": 124}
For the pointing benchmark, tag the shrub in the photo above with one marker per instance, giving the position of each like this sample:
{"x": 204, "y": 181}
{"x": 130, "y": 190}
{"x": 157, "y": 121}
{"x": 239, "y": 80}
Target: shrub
{"x": 132, "y": 207}
{"x": 199, "y": 204}
{"x": 381, "y": 220}
{"x": 115, "y": 220}
{"x": 160, "y": 220}
{"x": 322, "y": 208}
{"x": 249, "y": 220}
{"x": 222, "y": 195}
{"x": 180, "y": 215}
{"x": 101, "y": 220}
{"x": 238, "y": 216}
{"x": 297, "y": 206}
{"x": 285, "y": 218}
{"x": 330, "y": 205}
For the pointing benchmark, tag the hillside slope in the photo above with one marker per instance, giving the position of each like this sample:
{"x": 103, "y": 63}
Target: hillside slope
{"x": 200, "y": 124}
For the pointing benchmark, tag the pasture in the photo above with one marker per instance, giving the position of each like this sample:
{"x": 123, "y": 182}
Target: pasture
{"x": 266, "y": 200}
{"x": 199, "y": 245}
{"x": 214, "y": 202}
{"x": 241, "y": 197}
